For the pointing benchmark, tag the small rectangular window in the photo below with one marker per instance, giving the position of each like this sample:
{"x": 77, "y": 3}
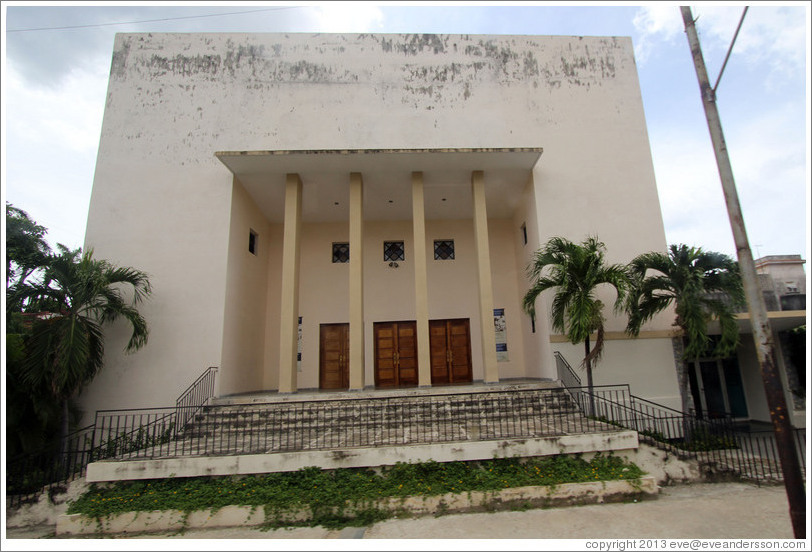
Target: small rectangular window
{"x": 341, "y": 252}
{"x": 443, "y": 250}
{"x": 393, "y": 251}
{"x": 252, "y": 242}
{"x": 524, "y": 234}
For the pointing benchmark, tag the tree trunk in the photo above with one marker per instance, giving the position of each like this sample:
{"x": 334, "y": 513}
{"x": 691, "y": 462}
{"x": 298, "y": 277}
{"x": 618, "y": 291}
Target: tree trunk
{"x": 589, "y": 384}
{"x": 683, "y": 381}
{"x": 63, "y": 437}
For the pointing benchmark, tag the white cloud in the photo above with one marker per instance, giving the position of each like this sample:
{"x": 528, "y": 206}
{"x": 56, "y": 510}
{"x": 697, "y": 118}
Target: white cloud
{"x": 52, "y": 136}
{"x": 338, "y": 17}
{"x": 776, "y": 35}
{"x": 68, "y": 116}
{"x": 657, "y": 22}
{"x": 691, "y": 196}
{"x": 768, "y": 157}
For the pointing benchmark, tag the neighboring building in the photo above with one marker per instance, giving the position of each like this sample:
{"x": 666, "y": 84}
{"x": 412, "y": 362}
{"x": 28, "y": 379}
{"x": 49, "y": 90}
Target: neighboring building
{"x": 370, "y": 199}
{"x": 783, "y": 282}
{"x": 733, "y": 385}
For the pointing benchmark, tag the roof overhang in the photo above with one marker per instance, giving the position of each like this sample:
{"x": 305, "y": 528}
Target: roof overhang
{"x": 779, "y": 320}
{"x": 387, "y": 180}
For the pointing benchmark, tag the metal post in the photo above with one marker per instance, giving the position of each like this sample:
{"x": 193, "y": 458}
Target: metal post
{"x": 793, "y": 480}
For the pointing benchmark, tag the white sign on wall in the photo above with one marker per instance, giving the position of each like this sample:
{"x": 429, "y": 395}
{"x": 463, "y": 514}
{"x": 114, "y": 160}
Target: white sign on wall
{"x": 500, "y": 328}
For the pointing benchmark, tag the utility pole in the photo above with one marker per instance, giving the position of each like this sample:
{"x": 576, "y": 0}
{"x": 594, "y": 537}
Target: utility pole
{"x": 790, "y": 465}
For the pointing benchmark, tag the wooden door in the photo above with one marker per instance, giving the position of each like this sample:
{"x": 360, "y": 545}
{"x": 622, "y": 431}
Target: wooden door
{"x": 450, "y": 345}
{"x": 334, "y": 353}
{"x": 395, "y": 354}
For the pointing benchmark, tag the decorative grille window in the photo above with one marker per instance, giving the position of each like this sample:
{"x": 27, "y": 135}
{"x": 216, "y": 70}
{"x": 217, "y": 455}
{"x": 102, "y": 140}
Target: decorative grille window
{"x": 443, "y": 250}
{"x": 341, "y": 252}
{"x": 393, "y": 251}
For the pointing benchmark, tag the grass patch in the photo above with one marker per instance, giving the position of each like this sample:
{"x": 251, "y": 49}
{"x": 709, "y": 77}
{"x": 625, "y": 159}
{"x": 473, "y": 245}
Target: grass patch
{"x": 337, "y": 498}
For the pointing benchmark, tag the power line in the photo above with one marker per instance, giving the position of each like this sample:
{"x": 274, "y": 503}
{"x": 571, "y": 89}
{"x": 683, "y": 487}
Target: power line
{"x": 722, "y": 70}
{"x": 148, "y": 20}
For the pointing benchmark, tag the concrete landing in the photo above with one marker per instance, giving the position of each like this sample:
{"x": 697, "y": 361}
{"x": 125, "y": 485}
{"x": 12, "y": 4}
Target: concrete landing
{"x": 197, "y": 466}
{"x": 307, "y": 395}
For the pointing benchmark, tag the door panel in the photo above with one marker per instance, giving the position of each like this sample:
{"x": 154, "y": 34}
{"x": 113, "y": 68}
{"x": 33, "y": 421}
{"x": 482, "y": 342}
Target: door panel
{"x": 407, "y": 353}
{"x": 450, "y": 342}
{"x": 438, "y": 345}
{"x": 334, "y": 347}
{"x": 735, "y": 389}
{"x": 395, "y": 354}
{"x": 460, "y": 351}
{"x": 712, "y": 388}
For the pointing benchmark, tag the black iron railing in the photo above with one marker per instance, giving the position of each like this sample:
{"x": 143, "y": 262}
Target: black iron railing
{"x": 719, "y": 444}
{"x": 29, "y": 474}
{"x": 198, "y": 395}
{"x": 114, "y": 433}
{"x": 566, "y": 375}
{"x": 348, "y": 423}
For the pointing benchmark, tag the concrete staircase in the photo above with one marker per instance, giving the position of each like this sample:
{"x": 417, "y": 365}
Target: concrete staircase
{"x": 250, "y": 427}
{"x": 276, "y": 432}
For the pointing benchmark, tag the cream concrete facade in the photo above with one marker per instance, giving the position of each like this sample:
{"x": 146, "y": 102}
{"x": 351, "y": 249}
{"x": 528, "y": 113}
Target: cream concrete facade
{"x": 204, "y": 133}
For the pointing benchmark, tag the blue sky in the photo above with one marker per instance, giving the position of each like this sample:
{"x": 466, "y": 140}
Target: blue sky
{"x": 54, "y": 85}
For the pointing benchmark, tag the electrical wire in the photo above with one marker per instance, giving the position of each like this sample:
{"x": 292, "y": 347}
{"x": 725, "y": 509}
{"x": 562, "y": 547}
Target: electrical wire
{"x": 148, "y": 20}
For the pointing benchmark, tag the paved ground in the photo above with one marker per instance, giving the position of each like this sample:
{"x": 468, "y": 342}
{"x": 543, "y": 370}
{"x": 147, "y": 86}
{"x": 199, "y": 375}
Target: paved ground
{"x": 719, "y": 511}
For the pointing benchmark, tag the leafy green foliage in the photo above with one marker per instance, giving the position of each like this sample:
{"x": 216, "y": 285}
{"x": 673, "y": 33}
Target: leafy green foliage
{"x": 702, "y": 285}
{"x": 80, "y": 294}
{"x": 56, "y": 306}
{"x": 343, "y": 497}
{"x": 26, "y": 248}
{"x": 576, "y": 272}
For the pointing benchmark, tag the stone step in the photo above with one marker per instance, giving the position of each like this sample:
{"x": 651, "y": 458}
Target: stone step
{"x": 451, "y": 411}
{"x": 312, "y": 395}
{"x": 366, "y": 413}
{"x": 224, "y": 429}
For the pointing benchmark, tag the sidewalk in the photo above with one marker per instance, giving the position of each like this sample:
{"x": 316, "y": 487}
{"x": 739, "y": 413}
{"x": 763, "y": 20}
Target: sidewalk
{"x": 702, "y": 510}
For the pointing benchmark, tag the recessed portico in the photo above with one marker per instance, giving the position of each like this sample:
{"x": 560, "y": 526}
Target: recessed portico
{"x": 312, "y": 199}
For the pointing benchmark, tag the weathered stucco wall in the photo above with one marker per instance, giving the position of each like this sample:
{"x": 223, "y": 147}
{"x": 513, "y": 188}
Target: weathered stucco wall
{"x": 245, "y": 316}
{"x": 639, "y": 362}
{"x": 162, "y": 202}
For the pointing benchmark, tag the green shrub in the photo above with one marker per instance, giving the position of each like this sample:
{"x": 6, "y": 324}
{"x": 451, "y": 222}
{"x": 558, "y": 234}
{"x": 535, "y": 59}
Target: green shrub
{"x": 336, "y": 498}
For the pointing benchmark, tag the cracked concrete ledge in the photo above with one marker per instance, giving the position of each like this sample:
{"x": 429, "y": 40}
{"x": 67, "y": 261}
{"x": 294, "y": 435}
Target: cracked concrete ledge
{"x": 619, "y": 441}
{"x": 518, "y": 498}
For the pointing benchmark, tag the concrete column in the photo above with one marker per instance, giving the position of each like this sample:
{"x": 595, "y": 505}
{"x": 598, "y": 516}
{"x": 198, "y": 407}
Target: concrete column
{"x": 356, "y": 281}
{"x": 289, "y": 307}
{"x": 421, "y": 287}
{"x": 483, "y": 256}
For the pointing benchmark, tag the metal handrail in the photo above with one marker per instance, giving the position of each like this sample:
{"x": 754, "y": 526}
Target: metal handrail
{"x": 99, "y": 440}
{"x": 566, "y": 374}
{"x": 716, "y": 443}
{"x": 370, "y": 421}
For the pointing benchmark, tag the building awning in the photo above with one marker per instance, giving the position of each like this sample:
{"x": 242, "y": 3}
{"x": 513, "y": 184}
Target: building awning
{"x": 387, "y": 180}
{"x": 779, "y": 320}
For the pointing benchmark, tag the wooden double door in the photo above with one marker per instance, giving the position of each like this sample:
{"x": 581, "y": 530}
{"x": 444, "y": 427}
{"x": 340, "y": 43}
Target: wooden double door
{"x": 396, "y": 353}
{"x": 450, "y": 344}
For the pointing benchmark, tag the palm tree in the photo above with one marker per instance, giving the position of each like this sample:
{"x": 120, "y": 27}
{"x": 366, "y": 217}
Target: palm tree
{"x": 26, "y": 250}
{"x": 702, "y": 286}
{"x": 76, "y": 296}
{"x": 576, "y": 271}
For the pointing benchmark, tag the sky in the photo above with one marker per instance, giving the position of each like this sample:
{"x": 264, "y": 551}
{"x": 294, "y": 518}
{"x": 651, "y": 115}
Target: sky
{"x": 57, "y": 59}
